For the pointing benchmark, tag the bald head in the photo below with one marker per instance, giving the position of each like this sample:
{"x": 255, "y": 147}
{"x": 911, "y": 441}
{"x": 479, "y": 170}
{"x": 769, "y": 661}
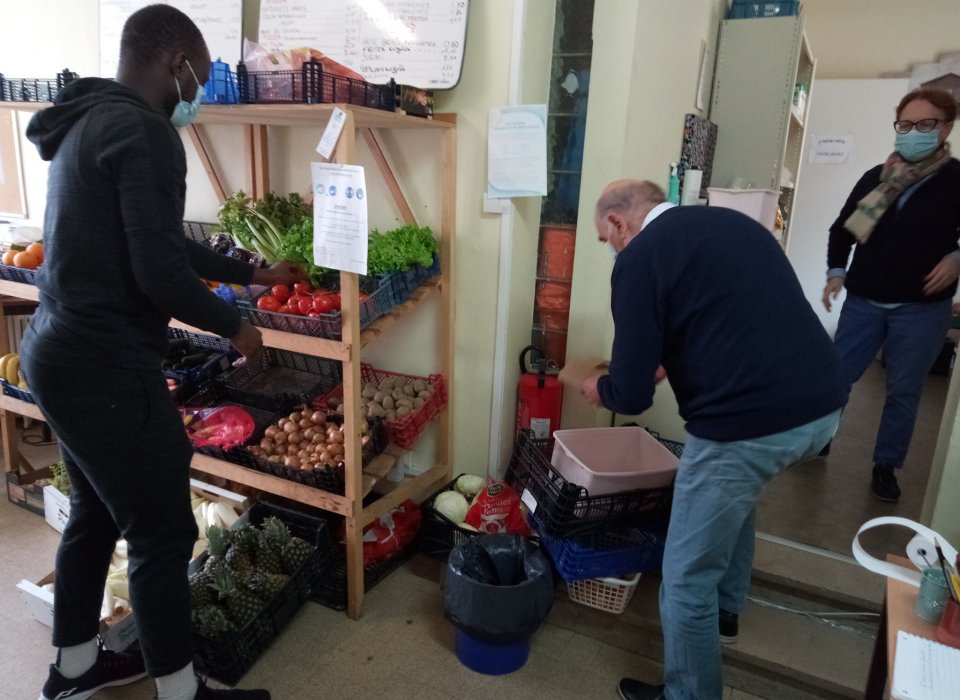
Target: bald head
{"x": 621, "y": 209}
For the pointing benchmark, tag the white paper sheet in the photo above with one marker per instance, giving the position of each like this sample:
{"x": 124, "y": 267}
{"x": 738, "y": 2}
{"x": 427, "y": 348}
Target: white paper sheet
{"x": 517, "y": 152}
{"x": 339, "y": 217}
{"x": 833, "y": 149}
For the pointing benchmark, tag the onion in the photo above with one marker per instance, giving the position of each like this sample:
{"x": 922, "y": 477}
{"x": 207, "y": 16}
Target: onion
{"x": 309, "y": 433}
{"x": 294, "y": 438}
{"x": 324, "y": 457}
{"x": 295, "y": 416}
{"x": 335, "y": 450}
{"x": 292, "y": 449}
{"x": 319, "y": 439}
{"x": 336, "y": 437}
{"x": 290, "y": 427}
{"x": 274, "y": 458}
{"x": 318, "y": 418}
{"x": 266, "y": 444}
{"x": 280, "y": 438}
{"x": 291, "y": 461}
{"x": 271, "y": 431}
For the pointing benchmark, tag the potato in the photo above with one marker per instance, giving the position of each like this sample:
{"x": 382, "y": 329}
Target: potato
{"x": 388, "y": 402}
{"x": 403, "y": 411}
{"x": 369, "y": 391}
{"x": 418, "y": 403}
{"x": 397, "y": 393}
{"x": 419, "y": 385}
{"x": 377, "y": 411}
{"x": 380, "y": 396}
{"x": 405, "y": 402}
{"x": 391, "y": 415}
{"x": 386, "y": 384}
{"x": 425, "y": 395}
{"x": 408, "y": 390}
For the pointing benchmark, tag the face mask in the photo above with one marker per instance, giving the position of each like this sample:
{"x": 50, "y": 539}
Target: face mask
{"x": 185, "y": 112}
{"x": 614, "y": 253}
{"x": 915, "y": 146}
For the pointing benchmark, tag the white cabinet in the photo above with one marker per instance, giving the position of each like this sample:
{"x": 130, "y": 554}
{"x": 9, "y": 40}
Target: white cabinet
{"x": 762, "y": 65}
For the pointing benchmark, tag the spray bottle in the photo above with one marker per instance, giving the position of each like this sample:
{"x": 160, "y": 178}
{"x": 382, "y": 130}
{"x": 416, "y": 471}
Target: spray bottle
{"x": 673, "y": 195}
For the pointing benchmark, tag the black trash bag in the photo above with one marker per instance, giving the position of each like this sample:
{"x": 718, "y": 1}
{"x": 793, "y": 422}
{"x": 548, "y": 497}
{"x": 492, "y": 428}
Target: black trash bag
{"x": 497, "y": 588}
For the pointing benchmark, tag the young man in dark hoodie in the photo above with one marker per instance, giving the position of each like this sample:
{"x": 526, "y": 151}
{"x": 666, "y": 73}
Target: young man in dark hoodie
{"x": 117, "y": 268}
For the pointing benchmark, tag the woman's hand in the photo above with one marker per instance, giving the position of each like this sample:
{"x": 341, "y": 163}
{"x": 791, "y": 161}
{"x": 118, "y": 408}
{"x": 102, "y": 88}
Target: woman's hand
{"x": 832, "y": 289}
{"x": 942, "y": 276}
{"x": 248, "y": 341}
{"x": 284, "y": 272}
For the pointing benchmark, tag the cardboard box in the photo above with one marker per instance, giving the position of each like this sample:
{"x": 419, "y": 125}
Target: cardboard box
{"x": 117, "y": 633}
{"x": 24, "y": 491}
{"x": 56, "y": 507}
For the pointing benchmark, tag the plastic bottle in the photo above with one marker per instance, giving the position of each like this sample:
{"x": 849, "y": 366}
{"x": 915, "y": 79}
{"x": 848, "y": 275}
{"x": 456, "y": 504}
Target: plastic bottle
{"x": 673, "y": 194}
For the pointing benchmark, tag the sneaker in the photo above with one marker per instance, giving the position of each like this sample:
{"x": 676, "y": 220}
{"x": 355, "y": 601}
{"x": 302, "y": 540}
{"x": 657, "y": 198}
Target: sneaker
{"x": 885, "y": 486}
{"x": 205, "y": 693}
{"x": 112, "y": 668}
{"x": 631, "y": 689}
{"x": 825, "y": 452}
{"x": 729, "y": 627}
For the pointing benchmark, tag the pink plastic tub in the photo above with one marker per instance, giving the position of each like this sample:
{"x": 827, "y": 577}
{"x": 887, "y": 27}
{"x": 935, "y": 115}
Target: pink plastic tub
{"x": 610, "y": 460}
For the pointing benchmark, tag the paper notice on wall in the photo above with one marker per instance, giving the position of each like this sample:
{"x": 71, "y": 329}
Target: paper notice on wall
{"x": 831, "y": 150}
{"x": 339, "y": 217}
{"x": 517, "y": 152}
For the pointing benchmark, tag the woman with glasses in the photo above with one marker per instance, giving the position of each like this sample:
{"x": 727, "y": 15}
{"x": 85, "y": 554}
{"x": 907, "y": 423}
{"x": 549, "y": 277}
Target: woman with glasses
{"x": 902, "y": 221}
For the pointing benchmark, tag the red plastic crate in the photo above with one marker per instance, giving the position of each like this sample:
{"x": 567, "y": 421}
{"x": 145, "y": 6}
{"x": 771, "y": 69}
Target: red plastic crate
{"x": 405, "y": 431}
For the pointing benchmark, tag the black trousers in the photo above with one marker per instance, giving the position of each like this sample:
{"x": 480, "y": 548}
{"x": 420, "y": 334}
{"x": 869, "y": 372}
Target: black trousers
{"x": 128, "y": 458}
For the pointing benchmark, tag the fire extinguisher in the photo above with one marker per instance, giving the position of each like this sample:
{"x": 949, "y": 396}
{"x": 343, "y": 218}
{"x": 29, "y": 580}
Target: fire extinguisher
{"x": 539, "y": 395}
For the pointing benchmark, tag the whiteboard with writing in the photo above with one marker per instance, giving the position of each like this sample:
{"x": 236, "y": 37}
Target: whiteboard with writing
{"x": 415, "y": 42}
{"x": 220, "y": 22}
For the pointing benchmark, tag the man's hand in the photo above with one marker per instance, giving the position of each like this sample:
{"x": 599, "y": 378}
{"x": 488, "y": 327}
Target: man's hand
{"x": 284, "y": 272}
{"x": 832, "y": 289}
{"x": 942, "y": 276}
{"x": 589, "y": 390}
{"x": 248, "y": 340}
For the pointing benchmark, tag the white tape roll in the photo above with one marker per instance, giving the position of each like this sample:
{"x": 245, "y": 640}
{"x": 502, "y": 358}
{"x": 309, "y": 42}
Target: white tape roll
{"x": 922, "y": 542}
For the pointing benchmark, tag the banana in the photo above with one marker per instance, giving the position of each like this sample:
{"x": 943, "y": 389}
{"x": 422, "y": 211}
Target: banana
{"x": 11, "y": 369}
{"x": 22, "y": 381}
{"x": 3, "y": 363}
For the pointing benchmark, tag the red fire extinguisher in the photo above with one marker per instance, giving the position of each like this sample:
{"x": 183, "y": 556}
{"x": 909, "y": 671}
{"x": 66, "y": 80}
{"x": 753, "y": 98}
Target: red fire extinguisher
{"x": 539, "y": 395}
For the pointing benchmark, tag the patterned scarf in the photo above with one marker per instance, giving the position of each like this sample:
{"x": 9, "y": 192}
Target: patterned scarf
{"x": 896, "y": 177}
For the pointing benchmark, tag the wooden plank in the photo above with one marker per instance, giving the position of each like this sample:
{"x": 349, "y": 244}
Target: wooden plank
{"x": 383, "y": 463}
{"x": 19, "y": 290}
{"x": 315, "y": 116}
{"x": 196, "y": 137}
{"x": 261, "y": 161}
{"x": 448, "y": 220}
{"x": 386, "y": 172}
{"x": 305, "y": 344}
{"x": 385, "y": 322}
{"x": 417, "y": 488}
{"x": 23, "y": 408}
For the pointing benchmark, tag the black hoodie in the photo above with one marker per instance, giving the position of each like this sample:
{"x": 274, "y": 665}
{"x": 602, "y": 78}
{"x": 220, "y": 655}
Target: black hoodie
{"x": 117, "y": 265}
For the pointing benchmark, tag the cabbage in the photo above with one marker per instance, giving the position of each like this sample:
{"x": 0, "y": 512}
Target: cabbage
{"x": 451, "y": 505}
{"x": 470, "y": 485}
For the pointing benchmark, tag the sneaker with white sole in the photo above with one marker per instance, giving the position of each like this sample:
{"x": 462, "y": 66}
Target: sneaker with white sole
{"x": 729, "y": 627}
{"x": 110, "y": 669}
{"x": 206, "y": 693}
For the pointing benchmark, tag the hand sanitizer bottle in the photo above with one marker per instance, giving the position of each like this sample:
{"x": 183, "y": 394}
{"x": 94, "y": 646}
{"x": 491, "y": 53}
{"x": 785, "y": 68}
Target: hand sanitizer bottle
{"x": 673, "y": 194}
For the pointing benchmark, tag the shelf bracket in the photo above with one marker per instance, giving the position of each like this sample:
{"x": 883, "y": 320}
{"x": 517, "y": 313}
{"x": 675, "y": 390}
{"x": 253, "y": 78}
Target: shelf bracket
{"x": 199, "y": 143}
{"x": 388, "y": 177}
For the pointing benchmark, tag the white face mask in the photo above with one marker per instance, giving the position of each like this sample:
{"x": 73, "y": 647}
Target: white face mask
{"x": 185, "y": 112}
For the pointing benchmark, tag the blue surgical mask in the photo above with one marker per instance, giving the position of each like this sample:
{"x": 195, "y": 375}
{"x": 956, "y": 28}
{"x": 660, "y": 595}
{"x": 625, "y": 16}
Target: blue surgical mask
{"x": 185, "y": 112}
{"x": 614, "y": 253}
{"x": 914, "y": 145}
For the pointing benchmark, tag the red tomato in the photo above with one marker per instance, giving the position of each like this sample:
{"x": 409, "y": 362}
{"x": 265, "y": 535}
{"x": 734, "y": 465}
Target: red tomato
{"x": 303, "y": 304}
{"x": 322, "y": 304}
{"x": 335, "y": 298}
{"x": 364, "y": 296}
{"x": 268, "y": 303}
{"x": 313, "y": 314}
{"x": 285, "y": 309}
{"x": 304, "y": 288}
{"x": 281, "y": 292}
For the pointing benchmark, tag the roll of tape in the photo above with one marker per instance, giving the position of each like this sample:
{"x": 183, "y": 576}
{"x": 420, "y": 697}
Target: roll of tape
{"x": 923, "y": 541}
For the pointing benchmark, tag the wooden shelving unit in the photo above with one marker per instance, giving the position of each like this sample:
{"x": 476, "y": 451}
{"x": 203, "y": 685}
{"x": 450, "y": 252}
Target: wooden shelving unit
{"x": 361, "y": 123}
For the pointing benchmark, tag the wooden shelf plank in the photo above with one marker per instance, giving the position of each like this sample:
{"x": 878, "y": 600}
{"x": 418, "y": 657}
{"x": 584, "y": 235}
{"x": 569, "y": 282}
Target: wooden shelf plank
{"x": 417, "y": 488}
{"x": 24, "y": 408}
{"x": 19, "y": 290}
{"x": 429, "y": 288}
{"x": 304, "y": 344}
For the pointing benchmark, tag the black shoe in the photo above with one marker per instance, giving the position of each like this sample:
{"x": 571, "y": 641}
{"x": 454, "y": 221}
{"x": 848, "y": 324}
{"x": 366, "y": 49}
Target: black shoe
{"x": 825, "y": 451}
{"x": 205, "y": 693}
{"x": 885, "y": 486}
{"x": 729, "y": 627}
{"x": 631, "y": 689}
{"x": 110, "y": 669}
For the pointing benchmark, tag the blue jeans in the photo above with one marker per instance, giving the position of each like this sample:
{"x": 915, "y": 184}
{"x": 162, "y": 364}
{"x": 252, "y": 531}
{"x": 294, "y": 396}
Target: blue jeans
{"x": 911, "y": 335}
{"x": 709, "y": 550}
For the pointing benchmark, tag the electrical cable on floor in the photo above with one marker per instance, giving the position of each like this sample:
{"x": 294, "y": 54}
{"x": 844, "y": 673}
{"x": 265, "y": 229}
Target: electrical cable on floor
{"x": 824, "y": 616}
{"x": 42, "y": 440}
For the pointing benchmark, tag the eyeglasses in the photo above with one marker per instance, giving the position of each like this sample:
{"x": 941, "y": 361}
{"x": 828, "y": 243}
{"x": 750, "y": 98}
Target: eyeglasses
{"x": 923, "y": 126}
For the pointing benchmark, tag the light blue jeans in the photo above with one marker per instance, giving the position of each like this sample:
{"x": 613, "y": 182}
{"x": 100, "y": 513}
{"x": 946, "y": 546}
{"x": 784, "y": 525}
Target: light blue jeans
{"x": 710, "y": 543}
{"x": 911, "y": 335}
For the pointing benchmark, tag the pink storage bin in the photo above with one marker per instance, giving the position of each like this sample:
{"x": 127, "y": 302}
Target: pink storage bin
{"x": 611, "y": 460}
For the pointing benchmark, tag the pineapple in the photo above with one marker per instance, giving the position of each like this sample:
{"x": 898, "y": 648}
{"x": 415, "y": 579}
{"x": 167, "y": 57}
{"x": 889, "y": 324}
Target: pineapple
{"x": 295, "y": 553}
{"x": 201, "y": 595}
{"x": 242, "y": 548}
{"x": 210, "y": 621}
{"x": 217, "y": 544}
{"x": 266, "y": 585}
{"x": 242, "y": 604}
{"x": 270, "y": 545}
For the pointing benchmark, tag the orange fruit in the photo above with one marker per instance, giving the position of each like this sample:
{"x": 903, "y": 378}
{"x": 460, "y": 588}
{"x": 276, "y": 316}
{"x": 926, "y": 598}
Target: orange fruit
{"x": 36, "y": 249}
{"x": 26, "y": 259}
{"x": 7, "y": 258}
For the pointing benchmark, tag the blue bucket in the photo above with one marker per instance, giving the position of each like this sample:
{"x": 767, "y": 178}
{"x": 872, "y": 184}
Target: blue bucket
{"x": 491, "y": 658}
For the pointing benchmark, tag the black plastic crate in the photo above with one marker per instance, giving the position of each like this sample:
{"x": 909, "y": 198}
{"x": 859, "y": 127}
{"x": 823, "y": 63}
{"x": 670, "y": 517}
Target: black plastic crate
{"x": 311, "y": 84}
{"x": 199, "y": 231}
{"x": 278, "y": 379}
{"x": 564, "y": 509}
{"x": 190, "y": 379}
{"x": 34, "y": 89}
{"x": 18, "y": 274}
{"x": 328, "y": 478}
{"x": 312, "y": 528}
{"x": 212, "y": 395}
{"x": 230, "y": 655}
{"x": 439, "y": 534}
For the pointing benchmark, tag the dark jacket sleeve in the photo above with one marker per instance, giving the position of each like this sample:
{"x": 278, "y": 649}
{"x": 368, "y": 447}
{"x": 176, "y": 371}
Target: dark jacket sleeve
{"x": 211, "y": 265}
{"x": 637, "y": 340}
{"x": 150, "y": 167}
{"x": 841, "y": 241}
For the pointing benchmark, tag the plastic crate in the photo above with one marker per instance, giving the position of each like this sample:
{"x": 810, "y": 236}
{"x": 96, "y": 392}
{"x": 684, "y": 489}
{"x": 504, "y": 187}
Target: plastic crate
{"x": 610, "y": 594}
{"x": 742, "y": 9}
{"x": 221, "y": 86}
{"x": 415, "y": 275}
{"x": 403, "y": 432}
{"x": 16, "y": 392}
{"x": 230, "y": 655}
{"x": 18, "y": 274}
{"x": 220, "y": 360}
{"x": 310, "y": 84}
{"x": 608, "y": 552}
{"x": 34, "y": 89}
{"x": 439, "y": 534}
{"x": 327, "y": 478}
{"x": 278, "y": 379}
{"x": 564, "y": 509}
{"x": 199, "y": 231}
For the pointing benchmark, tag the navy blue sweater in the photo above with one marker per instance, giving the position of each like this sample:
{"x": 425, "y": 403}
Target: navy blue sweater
{"x": 907, "y": 242}
{"x": 118, "y": 265}
{"x": 708, "y": 293}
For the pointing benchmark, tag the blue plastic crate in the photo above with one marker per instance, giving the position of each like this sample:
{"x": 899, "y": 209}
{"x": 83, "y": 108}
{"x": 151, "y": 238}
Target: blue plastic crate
{"x": 16, "y": 392}
{"x": 221, "y": 87}
{"x": 750, "y": 10}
